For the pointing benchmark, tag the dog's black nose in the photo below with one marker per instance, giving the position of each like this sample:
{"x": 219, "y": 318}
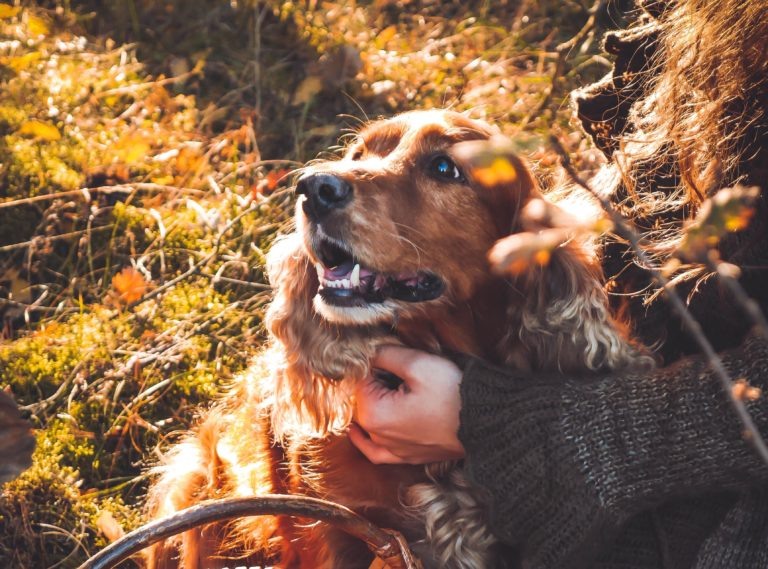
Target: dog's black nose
{"x": 324, "y": 192}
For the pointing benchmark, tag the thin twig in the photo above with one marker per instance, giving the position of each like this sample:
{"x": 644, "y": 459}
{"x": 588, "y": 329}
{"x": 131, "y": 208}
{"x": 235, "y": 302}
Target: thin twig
{"x": 563, "y": 50}
{"x": 389, "y": 547}
{"x": 106, "y": 190}
{"x": 752, "y": 434}
{"x": 49, "y": 238}
{"x": 197, "y": 267}
{"x": 40, "y": 406}
{"x": 131, "y": 89}
{"x": 28, "y": 307}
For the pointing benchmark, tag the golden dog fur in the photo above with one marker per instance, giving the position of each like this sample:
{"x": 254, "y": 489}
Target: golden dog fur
{"x": 281, "y": 427}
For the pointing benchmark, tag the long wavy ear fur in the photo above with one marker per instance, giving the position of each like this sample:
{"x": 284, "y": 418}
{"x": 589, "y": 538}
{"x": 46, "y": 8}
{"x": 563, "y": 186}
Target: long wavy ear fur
{"x": 561, "y": 313}
{"x": 566, "y": 323}
{"x": 313, "y": 354}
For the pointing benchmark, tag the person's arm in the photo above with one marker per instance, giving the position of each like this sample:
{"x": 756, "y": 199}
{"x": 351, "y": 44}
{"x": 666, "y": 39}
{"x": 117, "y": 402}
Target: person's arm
{"x": 565, "y": 463}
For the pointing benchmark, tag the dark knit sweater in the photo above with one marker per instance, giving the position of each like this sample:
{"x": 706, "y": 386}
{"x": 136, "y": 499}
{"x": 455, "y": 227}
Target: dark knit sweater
{"x": 622, "y": 471}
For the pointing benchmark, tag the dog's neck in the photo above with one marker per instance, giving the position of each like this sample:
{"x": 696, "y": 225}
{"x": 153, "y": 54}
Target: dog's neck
{"x": 474, "y": 327}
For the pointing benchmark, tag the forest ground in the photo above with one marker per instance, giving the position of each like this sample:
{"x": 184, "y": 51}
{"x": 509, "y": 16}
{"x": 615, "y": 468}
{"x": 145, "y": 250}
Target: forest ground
{"x": 145, "y": 158}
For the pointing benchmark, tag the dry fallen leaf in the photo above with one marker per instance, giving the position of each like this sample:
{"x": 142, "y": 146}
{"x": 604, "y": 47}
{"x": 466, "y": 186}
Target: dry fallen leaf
{"x": 130, "y": 285}
{"x": 307, "y": 90}
{"x": 7, "y": 11}
{"x": 40, "y": 130}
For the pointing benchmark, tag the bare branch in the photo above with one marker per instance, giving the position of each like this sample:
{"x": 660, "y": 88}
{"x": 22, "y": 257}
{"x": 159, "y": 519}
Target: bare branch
{"x": 48, "y": 238}
{"x": 623, "y": 229}
{"x": 388, "y": 546}
{"x": 197, "y": 267}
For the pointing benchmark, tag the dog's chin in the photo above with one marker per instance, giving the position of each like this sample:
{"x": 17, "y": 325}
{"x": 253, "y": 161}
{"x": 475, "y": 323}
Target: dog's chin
{"x": 359, "y": 314}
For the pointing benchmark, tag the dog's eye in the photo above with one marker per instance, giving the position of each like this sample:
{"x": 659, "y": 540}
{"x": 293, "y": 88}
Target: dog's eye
{"x": 357, "y": 154}
{"x": 444, "y": 168}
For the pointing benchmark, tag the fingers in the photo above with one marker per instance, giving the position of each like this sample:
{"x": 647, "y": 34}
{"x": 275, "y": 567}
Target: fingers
{"x": 399, "y": 361}
{"x": 418, "y": 370}
{"x": 375, "y": 453}
{"x": 374, "y": 403}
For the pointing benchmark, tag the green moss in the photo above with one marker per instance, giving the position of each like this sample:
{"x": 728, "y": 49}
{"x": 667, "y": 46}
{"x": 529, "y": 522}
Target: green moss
{"x": 44, "y": 515}
{"x": 35, "y": 366}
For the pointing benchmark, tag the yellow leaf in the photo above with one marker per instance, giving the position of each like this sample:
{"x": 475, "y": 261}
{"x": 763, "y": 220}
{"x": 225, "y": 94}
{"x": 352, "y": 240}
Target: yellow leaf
{"x": 25, "y": 61}
{"x": 189, "y": 161}
{"x": 602, "y": 225}
{"x": 37, "y": 26}
{"x": 164, "y": 180}
{"x": 40, "y": 130}
{"x": 739, "y": 219}
{"x": 384, "y": 36}
{"x": 7, "y": 11}
{"x": 131, "y": 148}
{"x": 307, "y": 89}
{"x": 499, "y": 171}
{"x": 729, "y": 210}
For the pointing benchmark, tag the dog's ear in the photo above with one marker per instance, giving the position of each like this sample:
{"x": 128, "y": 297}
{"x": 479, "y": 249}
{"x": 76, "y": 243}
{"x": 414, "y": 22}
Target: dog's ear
{"x": 558, "y": 311}
{"x": 564, "y": 320}
{"x": 309, "y": 356}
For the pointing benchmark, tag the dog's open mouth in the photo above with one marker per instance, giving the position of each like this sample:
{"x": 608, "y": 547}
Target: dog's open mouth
{"x": 344, "y": 281}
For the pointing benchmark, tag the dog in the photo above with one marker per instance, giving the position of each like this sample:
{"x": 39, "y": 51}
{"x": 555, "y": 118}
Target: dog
{"x": 390, "y": 246}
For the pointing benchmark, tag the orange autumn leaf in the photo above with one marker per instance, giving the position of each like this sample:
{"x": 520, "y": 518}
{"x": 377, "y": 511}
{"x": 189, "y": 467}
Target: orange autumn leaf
{"x": 270, "y": 182}
{"x": 499, "y": 171}
{"x": 274, "y": 178}
{"x": 743, "y": 391}
{"x": 729, "y": 210}
{"x": 130, "y": 285}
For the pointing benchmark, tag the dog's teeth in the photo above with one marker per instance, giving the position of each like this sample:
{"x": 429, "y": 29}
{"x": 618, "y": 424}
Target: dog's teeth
{"x": 344, "y": 283}
{"x": 354, "y": 278}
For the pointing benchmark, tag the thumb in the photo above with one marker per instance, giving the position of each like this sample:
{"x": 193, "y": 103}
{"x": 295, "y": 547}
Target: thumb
{"x": 377, "y": 454}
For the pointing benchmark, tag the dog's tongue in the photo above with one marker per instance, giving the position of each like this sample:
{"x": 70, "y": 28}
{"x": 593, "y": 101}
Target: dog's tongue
{"x": 344, "y": 271}
{"x": 340, "y": 271}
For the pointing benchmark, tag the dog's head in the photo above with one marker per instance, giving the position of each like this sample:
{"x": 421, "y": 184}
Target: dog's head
{"x": 398, "y": 222}
{"x": 398, "y": 230}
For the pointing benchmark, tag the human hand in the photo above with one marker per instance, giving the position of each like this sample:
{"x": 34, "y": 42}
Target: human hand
{"x": 415, "y": 423}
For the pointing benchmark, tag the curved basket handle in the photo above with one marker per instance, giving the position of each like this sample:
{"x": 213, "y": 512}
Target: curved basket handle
{"x": 389, "y": 546}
